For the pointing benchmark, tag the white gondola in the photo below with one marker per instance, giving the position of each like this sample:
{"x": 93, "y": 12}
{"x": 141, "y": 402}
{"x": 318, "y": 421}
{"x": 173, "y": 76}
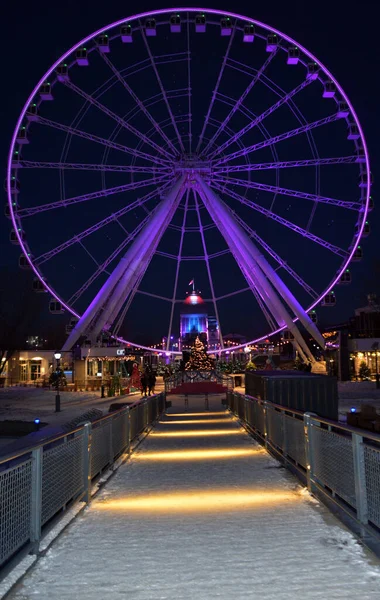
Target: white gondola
{"x": 71, "y": 324}
{"x": 150, "y": 27}
{"x": 363, "y": 180}
{"x": 82, "y": 57}
{"x": 329, "y": 90}
{"x": 13, "y": 236}
{"x": 313, "y": 316}
{"x": 22, "y": 137}
{"x": 225, "y": 27}
{"x": 126, "y": 33}
{"x": 62, "y": 73}
{"x": 312, "y": 71}
{"x": 45, "y": 92}
{"x": 175, "y": 24}
{"x": 16, "y": 160}
{"x": 38, "y": 286}
{"x": 23, "y": 262}
{"x": 293, "y": 56}
{"x": 7, "y": 210}
{"x": 55, "y": 307}
{"x": 343, "y": 110}
{"x": 371, "y": 204}
{"x": 249, "y": 33}
{"x": 353, "y": 132}
{"x": 329, "y": 299}
{"x": 104, "y": 44}
{"x": 358, "y": 254}
{"x": 345, "y": 278}
{"x": 32, "y": 112}
{"x": 200, "y": 23}
{"x": 272, "y": 42}
{"x": 15, "y": 185}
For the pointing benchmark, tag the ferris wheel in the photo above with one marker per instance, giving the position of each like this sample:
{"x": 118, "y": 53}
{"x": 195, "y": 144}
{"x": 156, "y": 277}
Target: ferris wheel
{"x": 182, "y": 143}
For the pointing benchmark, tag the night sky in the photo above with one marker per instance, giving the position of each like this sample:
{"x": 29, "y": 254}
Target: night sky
{"x": 36, "y": 34}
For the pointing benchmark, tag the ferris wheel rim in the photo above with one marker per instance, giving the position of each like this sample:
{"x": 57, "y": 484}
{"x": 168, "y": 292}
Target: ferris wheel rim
{"x": 209, "y": 11}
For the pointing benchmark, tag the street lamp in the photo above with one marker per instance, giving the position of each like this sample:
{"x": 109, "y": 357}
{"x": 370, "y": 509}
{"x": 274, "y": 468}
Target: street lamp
{"x": 57, "y": 356}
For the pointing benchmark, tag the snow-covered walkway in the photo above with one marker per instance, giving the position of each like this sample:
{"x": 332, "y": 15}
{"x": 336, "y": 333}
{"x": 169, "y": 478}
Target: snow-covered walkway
{"x": 202, "y": 512}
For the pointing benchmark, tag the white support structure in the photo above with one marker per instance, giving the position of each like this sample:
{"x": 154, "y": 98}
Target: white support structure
{"x": 108, "y": 302}
{"x": 257, "y": 270}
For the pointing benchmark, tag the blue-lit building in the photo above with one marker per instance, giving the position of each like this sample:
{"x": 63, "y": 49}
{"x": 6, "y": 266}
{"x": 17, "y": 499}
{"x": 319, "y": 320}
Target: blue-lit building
{"x": 193, "y": 321}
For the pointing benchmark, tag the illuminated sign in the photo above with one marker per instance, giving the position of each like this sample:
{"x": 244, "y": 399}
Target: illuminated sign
{"x": 120, "y": 352}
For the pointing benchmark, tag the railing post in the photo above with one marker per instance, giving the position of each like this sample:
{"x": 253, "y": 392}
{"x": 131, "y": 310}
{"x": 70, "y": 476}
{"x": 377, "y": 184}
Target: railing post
{"x": 87, "y": 440}
{"x": 265, "y": 412}
{"x": 360, "y": 481}
{"x": 126, "y": 427}
{"x": 309, "y": 454}
{"x": 36, "y": 500}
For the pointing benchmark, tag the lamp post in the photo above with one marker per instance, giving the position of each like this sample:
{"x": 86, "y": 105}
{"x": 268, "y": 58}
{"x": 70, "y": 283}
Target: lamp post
{"x": 57, "y": 356}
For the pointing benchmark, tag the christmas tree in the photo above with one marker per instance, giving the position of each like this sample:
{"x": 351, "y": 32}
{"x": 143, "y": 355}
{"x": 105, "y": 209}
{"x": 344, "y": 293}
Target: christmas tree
{"x": 199, "y": 361}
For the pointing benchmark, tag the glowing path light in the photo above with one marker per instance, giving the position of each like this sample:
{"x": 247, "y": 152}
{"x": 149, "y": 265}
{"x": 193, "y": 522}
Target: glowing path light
{"x": 195, "y": 421}
{"x": 199, "y": 432}
{"x": 200, "y": 501}
{"x": 209, "y": 454}
{"x": 199, "y": 414}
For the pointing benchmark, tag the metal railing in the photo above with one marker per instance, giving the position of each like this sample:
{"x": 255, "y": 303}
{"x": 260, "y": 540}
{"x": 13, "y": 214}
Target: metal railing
{"x": 38, "y": 482}
{"x": 339, "y": 464}
{"x": 198, "y": 376}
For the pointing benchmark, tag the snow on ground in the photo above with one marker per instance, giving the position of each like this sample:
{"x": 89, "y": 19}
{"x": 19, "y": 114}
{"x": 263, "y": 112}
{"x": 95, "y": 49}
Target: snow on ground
{"x": 181, "y": 521}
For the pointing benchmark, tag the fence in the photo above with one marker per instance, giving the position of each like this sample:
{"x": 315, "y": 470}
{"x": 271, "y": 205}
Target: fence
{"x": 37, "y": 483}
{"x": 340, "y": 464}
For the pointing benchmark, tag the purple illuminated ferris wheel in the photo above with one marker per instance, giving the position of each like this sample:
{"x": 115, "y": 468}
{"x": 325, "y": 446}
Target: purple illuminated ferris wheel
{"x": 188, "y": 143}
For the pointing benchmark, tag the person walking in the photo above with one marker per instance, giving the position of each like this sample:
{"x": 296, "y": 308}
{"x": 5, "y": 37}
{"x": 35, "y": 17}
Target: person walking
{"x": 144, "y": 384}
{"x": 151, "y": 382}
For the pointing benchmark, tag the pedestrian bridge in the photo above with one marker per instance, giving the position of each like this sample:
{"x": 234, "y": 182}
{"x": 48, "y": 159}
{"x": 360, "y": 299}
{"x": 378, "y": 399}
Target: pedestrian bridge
{"x": 198, "y": 510}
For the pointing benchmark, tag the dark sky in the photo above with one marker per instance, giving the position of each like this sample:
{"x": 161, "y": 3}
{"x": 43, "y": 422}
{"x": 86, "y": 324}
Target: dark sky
{"x": 36, "y": 34}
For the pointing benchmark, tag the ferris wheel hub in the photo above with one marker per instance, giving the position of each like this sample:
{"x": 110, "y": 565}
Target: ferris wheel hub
{"x": 191, "y": 164}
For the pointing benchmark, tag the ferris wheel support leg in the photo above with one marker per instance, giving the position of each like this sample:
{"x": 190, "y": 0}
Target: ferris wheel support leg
{"x": 239, "y": 244}
{"x": 113, "y": 292}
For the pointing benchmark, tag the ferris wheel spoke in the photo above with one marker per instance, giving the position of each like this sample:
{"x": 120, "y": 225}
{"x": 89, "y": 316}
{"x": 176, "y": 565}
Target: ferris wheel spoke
{"x": 276, "y": 256}
{"x": 124, "y": 124}
{"x": 292, "y": 193}
{"x": 279, "y": 138}
{"x": 282, "y": 221}
{"x": 179, "y": 256}
{"x": 238, "y": 103}
{"x": 30, "y": 164}
{"x": 143, "y": 293}
{"x": 139, "y": 103}
{"x": 284, "y": 100}
{"x": 114, "y": 217}
{"x": 163, "y": 91}
{"x": 99, "y": 140}
{"x": 102, "y": 268}
{"x": 214, "y": 94}
{"x": 290, "y": 164}
{"x": 207, "y": 261}
{"x": 190, "y": 120}
{"x": 28, "y": 212}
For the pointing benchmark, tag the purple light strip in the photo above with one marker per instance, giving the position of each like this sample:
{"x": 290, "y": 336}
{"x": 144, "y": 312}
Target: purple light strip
{"x": 207, "y": 259}
{"x": 183, "y": 228}
{"x": 282, "y": 221}
{"x": 117, "y": 119}
{"x": 163, "y": 91}
{"x": 189, "y": 88}
{"x": 292, "y": 193}
{"x": 276, "y": 257}
{"x": 138, "y": 102}
{"x": 28, "y": 212}
{"x": 99, "y": 140}
{"x": 285, "y": 164}
{"x": 284, "y": 100}
{"x": 238, "y": 103}
{"x": 102, "y": 268}
{"x": 214, "y": 93}
{"x": 110, "y": 219}
{"x": 29, "y": 164}
{"x": 83, "y": 42}
{"x": 278, "y": 138}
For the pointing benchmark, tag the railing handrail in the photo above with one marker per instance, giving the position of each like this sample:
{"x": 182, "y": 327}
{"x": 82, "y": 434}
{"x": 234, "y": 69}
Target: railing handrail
{"x": 366, "y": 433}
{"x": 49, "y": 440}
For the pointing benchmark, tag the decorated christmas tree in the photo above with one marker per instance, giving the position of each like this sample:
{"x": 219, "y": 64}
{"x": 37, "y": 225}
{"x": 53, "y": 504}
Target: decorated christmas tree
{"x": 199, "y": 361}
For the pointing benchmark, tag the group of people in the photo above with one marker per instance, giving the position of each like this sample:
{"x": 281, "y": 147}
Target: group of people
{"x": 148, "y": 381}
